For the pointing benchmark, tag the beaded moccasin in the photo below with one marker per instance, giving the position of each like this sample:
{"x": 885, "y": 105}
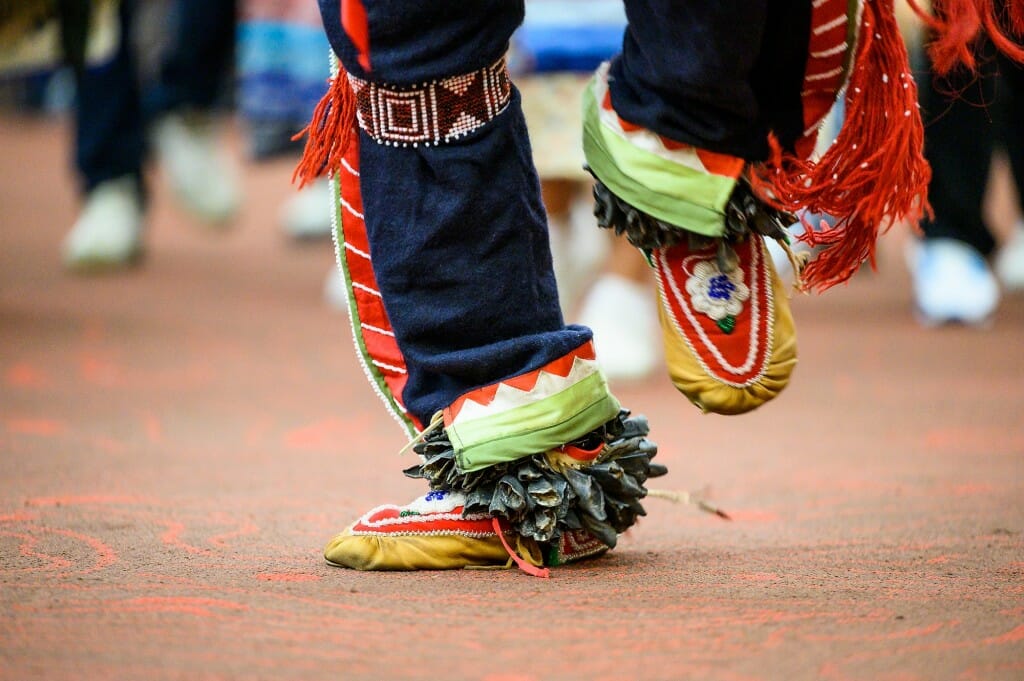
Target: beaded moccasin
{"x": 730, "y": 342}
{"x": 552, "y": 508}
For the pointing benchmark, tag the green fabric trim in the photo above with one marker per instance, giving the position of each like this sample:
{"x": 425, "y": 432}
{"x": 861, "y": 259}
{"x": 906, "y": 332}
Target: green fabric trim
{"x": 679, "y": 195}
{"x": 372, "y": 373}
{"x": 533, "y": 428}
{"x": 852, "y": 7}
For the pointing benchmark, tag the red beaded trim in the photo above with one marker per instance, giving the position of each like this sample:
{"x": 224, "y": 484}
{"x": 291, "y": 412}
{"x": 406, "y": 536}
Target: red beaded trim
{"x": 435, "y": 112}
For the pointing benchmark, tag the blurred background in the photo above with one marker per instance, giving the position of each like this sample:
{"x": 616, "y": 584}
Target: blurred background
{"x": 183, "y": 421}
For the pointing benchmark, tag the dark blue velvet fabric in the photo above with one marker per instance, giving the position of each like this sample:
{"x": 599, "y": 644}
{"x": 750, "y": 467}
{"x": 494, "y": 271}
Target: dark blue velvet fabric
{"x": 460, "y": 249}
{"x": 457, "y": 232}
{"x": 412, "y": 42}
{"x": 718, "y": 74}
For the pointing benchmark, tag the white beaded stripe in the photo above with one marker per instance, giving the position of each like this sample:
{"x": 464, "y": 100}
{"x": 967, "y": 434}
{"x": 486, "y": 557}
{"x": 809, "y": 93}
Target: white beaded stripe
{"x": 347, "y": 206}
{"x": 825, "y": 75}
{"x": 831, "y": 51}
{"x": 421, "y": 519}
{"x": 389, "y": 367}
{"x": 816, "y": 125}
{"x": 350, "y": 169}
{"x": 361, "y": 253}
{"x": 491, "y": 89}
{"x": 377, "y": 329}
{"x": 393, "y": 406}
{"x": 828, "y": 26}
{"x": 364, "y": 287}
{"x": 425, "y": 533}
{"x": 576, "y": 555}
{"x": 817, "y": 91}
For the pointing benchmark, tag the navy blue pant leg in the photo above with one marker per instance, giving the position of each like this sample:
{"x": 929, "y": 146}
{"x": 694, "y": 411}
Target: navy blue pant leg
{"x": 200, "y": 55}
{"x": 109, "y": 127}
{"x": 967, "y": 116}
{"x": 718, "y": 75}
{"x": 113, "y": 111}
{"x": 457, "y": 231}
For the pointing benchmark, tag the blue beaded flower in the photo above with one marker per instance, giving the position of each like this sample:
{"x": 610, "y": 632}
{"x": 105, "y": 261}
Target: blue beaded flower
{"x": 717, "y": 294}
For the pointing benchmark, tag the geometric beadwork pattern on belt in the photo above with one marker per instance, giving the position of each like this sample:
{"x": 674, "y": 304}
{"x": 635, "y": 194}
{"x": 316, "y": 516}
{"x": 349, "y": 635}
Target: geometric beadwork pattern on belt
{"x": 431, "y": 113}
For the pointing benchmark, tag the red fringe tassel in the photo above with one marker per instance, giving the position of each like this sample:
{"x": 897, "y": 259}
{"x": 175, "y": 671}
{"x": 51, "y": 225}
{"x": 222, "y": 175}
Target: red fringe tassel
{"x": 329, "y": 132}
{"x": 874, "y": 174}
{"x": 957, "y": 25}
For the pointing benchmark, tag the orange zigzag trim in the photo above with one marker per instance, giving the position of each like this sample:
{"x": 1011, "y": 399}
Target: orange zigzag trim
{"x": 524, "y": 382}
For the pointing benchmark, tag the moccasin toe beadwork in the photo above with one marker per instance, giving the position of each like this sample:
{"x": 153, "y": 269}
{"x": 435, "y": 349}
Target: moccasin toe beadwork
{"x": 730, "y": 341}
{"x": 431, "y": 533}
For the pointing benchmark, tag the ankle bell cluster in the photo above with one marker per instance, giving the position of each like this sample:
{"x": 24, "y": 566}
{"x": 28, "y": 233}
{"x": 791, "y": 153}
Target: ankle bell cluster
{"x": 593, "y": 484}
{"x": 745, "y": 214}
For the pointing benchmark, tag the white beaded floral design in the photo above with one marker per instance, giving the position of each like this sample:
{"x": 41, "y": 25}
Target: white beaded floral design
{"x": 761, "y": 285}
{"x": 715, "y": 293}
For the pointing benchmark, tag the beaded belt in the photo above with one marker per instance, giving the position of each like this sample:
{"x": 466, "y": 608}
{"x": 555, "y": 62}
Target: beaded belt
{"x": 435, "y": 112}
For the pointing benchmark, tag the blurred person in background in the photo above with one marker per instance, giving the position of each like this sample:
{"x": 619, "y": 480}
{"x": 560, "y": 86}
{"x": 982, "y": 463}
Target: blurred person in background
{"x": 115, "y": 114}
{"x": 958, "y": 266}
{"x": 282, "y": 65}
{"x": 603, "y": 283}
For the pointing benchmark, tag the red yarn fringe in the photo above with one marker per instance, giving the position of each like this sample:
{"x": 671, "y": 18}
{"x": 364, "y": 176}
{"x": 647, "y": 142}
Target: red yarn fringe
{"x": 957, "y": 25}
{"x": 329, "y": 132}
{"x": 874, "y": 174}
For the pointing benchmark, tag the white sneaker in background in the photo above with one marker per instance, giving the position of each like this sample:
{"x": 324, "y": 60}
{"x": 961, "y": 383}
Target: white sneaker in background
{"x": 624, "y": 317}
{"x": 334, "y": 290}
{"x": 578, "y": 250}
{"x": 108, "y": 232}
{"x": 202, "y": 177}
{"x": 1009, "y": 262}
{"x": 307, "y": 214}
{"x": 952, "y": 283}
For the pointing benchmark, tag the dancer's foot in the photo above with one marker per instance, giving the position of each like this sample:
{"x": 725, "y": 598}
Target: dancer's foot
{"x": 1009, "y": 263}
{"x": 108, "y": 232}
{"x": 952, "y": 283}
{"x": 202, "y": 177}
{"x": 728, "y": 332}
{"x": 307, "y": 214}
{"x": 623, "y": 317}
{"x": 434, "y": 533}
{"x": 431, "y": 533}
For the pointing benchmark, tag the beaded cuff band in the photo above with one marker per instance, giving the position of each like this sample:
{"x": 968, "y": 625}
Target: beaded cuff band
{"x": 432, "y": 113}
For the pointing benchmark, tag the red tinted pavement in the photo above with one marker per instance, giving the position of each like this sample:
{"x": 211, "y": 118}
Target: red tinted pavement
{"x": 177, "y": 444}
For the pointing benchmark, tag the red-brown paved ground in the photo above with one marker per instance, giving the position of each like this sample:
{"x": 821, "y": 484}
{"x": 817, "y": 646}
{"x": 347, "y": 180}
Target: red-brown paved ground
{"x": 177, "y": 444}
